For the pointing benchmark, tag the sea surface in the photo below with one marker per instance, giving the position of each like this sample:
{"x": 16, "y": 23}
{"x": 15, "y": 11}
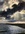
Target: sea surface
{"x": 11, "y": 29}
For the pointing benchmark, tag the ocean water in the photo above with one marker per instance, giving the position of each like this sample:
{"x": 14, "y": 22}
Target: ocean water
{"x": 11, "y": 29}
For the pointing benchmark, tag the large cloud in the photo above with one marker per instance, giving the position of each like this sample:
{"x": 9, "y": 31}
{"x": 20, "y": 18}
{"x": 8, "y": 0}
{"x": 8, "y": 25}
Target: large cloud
{"x": 9, "y": 3}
